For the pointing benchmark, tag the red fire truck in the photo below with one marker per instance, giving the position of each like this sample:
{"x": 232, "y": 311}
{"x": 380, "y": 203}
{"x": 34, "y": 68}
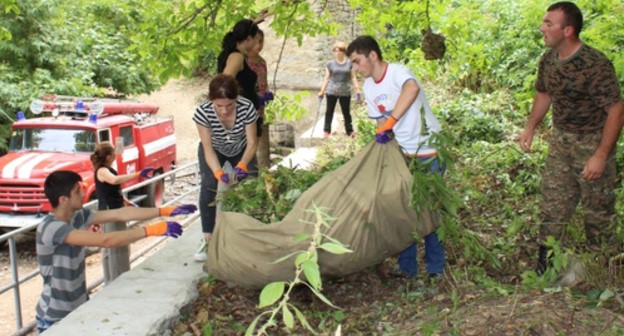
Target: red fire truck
{"x": 64, "y": 135}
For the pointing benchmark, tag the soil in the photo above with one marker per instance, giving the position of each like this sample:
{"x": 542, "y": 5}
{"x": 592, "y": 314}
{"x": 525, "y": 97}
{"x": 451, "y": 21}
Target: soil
{"x": 370, "y": 305}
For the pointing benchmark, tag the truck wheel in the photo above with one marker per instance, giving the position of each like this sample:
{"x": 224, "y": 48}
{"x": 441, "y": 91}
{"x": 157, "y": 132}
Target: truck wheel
{"x": 155, "y": 194}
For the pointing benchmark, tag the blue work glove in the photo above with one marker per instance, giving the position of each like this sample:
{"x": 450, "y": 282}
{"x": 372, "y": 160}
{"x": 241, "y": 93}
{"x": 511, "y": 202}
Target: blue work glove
{"x": 358, "y": 98}
{"x": 220, "y": 175}
{"x": 241, "y": 171}
{"x": 267, "y": 97}
{"x": 183, "y": 209}
{"x": 384, "y": 137}
{"x": 171, "y": 229}
{"x": 147, "y": 172}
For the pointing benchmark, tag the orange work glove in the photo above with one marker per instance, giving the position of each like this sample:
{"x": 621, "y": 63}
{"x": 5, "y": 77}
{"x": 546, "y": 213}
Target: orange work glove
{"x": 157, "y": 229}
{"x": 165, "y": 211}
{"x": 171, "y": 229}
{"x": 220, "y": 175}
{"x": 387, "y": 126}
{"x": 183, "y": 209}
{"x": 241, "y": 171}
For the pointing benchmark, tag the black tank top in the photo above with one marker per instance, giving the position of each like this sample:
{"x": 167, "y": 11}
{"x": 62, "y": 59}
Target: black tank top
{"x": 248, "y": 81}
{"x": 109, "y": 195}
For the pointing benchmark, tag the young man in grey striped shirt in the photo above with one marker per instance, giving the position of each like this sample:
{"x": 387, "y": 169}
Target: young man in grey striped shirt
{"x": 65, "y": 232}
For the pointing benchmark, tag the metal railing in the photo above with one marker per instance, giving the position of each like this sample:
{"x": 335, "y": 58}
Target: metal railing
{"x": 16, "y": 281}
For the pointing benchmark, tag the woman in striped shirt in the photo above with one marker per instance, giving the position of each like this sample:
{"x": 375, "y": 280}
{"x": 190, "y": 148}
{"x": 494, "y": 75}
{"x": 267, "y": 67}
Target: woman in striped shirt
{"x": 226, "y": 124}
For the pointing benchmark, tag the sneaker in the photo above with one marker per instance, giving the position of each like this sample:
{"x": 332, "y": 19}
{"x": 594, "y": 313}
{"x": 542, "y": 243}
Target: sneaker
{"x": 326, "y": 134}
{"x": 351, "y": 135}
{"x": 433, "y": 277}
{"x": 201, "y": 255}
{"x": 386, "y": 273}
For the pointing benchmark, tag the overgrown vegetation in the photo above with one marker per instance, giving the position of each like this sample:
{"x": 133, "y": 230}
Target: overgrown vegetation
{"x": 481, "y": 91}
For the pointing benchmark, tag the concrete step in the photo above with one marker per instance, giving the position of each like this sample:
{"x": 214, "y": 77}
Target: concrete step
{"x": 145, "y": 300}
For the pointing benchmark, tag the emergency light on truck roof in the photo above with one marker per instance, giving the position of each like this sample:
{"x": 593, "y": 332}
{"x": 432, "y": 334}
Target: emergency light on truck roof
{"x": 84, "y": 107}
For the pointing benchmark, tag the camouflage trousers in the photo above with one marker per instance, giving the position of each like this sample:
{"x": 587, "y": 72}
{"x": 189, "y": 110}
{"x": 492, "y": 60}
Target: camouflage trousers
{"x": 563, "y": 188}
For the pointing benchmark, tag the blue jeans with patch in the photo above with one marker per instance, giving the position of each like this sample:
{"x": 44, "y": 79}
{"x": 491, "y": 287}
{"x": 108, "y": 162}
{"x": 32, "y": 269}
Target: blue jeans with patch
{"x": 43, "y": 324}
{"x": 434, "y": 250}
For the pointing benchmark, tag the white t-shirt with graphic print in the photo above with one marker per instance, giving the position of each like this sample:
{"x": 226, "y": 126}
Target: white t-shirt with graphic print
{"x": 381, "y": 97}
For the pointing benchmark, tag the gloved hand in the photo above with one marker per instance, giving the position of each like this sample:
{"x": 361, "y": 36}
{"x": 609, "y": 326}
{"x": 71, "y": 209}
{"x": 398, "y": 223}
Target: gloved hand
{"x": 387, "y": 126}
{"x": 128, "y": 202}
{"x": 171, "y": 229}
{"x": 147, "y": 172}
{"x": 241, "y": 171}
{"x": 384, "y": 137}
{"x": 320, "y": 96}
{"x": 183, "y": 209}
{"x": 358, "y": 98}
{"x": 222, "y": 176}
{"x": 267, "y": 97}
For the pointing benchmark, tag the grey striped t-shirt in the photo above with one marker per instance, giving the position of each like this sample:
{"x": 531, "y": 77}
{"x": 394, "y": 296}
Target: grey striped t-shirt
{"x": 62, "y": 266}
{"x": 227, "y": 142}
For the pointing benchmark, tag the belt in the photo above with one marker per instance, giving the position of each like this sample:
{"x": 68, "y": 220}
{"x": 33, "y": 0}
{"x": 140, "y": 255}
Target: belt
{"x": 420, "y": 156}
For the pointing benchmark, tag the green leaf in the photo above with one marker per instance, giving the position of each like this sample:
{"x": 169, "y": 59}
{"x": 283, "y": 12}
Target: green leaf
{"x": 323, "y": 298}
{"x": 286, "y": 257}
{"x": 302, "y": 319}
{"x": 252, "y": 326}
{"x": 288, "y": 317}
{"x": 312, "y": 273}
{"x": 271, "y": 293}
{"x": 301, "y": 258}
{"x": 335, "y": 248}
{"x": 207, "y": 330}
{"x": 301, "y": 237}
{"x": 606, "y": 295}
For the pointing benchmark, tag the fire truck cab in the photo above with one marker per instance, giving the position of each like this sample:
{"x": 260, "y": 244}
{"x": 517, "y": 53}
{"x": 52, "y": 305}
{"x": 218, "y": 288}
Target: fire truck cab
{"x": 64, "y": 135}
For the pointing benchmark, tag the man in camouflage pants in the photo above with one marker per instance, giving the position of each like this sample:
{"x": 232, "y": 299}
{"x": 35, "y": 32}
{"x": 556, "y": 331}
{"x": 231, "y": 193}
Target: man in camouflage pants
{"x": 581, "y": 85}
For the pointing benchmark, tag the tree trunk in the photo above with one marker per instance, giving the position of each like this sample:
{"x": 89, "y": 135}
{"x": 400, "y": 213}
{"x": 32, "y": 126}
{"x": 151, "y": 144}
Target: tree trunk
{"x": 263, "y": 153}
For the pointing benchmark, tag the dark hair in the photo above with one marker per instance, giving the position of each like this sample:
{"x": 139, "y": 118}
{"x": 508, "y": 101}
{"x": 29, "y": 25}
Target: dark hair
{"x": 571, "y": 13}
{"x": 223, "y": 87}
{"x": 102, "y": 151}
{"x": 364, "y": 44}
{"x": 60, "y": 183}
{"x": 242, "y": 29}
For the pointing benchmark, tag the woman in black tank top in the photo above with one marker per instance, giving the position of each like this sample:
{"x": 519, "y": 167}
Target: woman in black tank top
{"x": 107, "y": 181}
{"x": 231, "y": 60}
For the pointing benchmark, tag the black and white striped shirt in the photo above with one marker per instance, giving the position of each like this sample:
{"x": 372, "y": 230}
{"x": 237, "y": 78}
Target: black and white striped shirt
{"x": 227, "y": 142}
{"x": 62, "y": 266}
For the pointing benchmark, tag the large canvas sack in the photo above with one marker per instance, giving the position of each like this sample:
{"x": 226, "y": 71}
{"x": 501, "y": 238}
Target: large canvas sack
{"x": 369, "y": 199}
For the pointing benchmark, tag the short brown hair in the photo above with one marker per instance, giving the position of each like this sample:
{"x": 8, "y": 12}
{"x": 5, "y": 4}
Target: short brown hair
{"x": 223, "y": 87}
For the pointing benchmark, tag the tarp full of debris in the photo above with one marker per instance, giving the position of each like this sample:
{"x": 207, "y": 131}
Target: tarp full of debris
{"x": 368, "y": 197}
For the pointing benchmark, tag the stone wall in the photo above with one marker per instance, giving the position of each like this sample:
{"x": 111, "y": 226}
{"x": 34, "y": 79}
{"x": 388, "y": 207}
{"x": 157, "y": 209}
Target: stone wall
{"x": 303, "y": 67}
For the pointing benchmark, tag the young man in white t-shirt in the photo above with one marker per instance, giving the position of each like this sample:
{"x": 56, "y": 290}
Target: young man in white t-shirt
{"x": 396, "y": 101}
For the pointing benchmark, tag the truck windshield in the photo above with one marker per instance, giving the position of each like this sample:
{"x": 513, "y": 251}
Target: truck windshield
{"x": 52, "y": 139}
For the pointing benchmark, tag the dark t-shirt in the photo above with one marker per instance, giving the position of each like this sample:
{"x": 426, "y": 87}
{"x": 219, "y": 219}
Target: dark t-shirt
{"x": 248, "y": 81}
{"x": 109, "y": 195}
{"x": 581, "y": 87}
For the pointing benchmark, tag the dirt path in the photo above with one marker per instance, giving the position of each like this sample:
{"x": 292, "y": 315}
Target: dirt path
{"x": 179, "y": 98}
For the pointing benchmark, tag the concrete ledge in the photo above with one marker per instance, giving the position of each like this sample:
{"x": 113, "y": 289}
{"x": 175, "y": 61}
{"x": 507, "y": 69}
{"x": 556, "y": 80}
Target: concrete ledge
{"x": 145, "y": 300}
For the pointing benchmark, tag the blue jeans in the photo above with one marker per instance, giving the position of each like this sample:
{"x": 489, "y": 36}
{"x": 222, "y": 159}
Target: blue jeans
{"x": 208, "y": 191}
{"x": 43, "y": 324}
{"x": 434, "y": 250}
